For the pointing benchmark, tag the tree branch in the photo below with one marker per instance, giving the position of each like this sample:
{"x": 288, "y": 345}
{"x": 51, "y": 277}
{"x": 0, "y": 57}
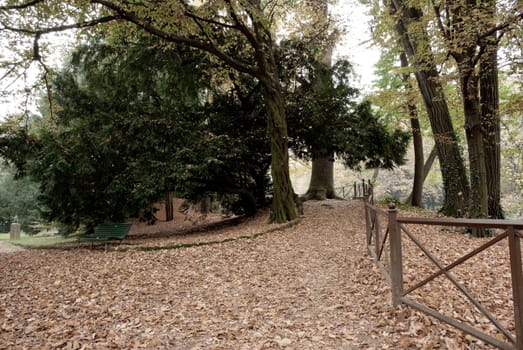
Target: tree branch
{"x": 37, "y": 57}
{"x": 198, "y": 44}
{"x": 240, "y": 26}
{"x": 22, "y": 6}
{"x": 62, "y": 28}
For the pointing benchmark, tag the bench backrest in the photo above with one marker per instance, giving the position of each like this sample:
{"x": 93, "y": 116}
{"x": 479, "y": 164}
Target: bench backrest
{"x": 113, "y": 230}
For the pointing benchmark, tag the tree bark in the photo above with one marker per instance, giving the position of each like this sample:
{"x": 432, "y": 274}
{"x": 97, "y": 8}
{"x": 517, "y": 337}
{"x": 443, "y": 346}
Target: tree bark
{"x": 455, "y": 182}
{"x": 426, "y": 169}
{"x": 283, "y": 206}
{"x": 467, "y": 49}
{"x": 416, "y": 197}
{"x": 169, "y": 208}
{"x": 322, "y": 174}
{"x": 490, "y": 120}
{"x": 478, "y": 206}
{"x": 322, "y": 178}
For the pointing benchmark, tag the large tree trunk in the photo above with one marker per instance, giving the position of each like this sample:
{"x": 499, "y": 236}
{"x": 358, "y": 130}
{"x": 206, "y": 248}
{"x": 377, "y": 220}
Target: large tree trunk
{"x": 283, "y": 206}
{"x": 478, "y": 200}
{"x": 322, "y": 177}
{"x": 467, "y": 22}
{"x": 453, "y": 171}
{"x": 416, "y": 197}
{"x": 478, "y": 206}
{"x": 490, "y": 121}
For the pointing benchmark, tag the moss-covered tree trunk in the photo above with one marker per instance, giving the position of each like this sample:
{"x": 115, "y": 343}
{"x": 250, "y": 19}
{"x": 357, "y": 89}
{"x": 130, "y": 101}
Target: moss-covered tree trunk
{"x": 283, "y": 206}
{"x": 478, "y": 201}
{"x": 415, "y": 44}
{"x": 469, "y": 84}
{"x": 490, "y": 121}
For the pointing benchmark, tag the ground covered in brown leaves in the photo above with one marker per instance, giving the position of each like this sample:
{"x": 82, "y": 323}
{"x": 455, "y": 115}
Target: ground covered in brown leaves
{"x": 308, "y": 285}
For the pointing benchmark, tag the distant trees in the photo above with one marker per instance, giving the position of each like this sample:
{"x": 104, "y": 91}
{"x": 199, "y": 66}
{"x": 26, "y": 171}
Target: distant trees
{"x": 18, "y": 199}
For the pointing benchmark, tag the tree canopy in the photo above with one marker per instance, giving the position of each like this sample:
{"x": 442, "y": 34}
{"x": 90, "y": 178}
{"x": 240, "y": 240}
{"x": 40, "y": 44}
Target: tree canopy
{"x": 201, "y": 25}
{"x": 131, "y": 124}
{"x": 328, "y": 118}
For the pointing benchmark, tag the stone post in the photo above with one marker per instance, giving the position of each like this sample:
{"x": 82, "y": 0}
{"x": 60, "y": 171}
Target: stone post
{"x": 14, "y": 233}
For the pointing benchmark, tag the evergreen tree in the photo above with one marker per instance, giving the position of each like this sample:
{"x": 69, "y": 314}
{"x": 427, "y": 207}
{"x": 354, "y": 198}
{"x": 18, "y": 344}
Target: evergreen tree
{"x": 330, "y": 121}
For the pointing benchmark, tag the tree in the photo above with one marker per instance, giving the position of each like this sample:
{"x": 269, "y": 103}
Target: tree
{"x": 200, "y": 26}
{"x": 471, "y": 38}
{"x": 322, "y": 159}
{"x": 469, "y": 32}
{"x": 131, "y": 125}
{"x": 396, "y": 95}
{"x": 329, "y": 120}
{"x": 109, "y": 150}
{"x": 415, "y": 41}
{"x": 18, "y": 198}
{"x": 419, "y": 171}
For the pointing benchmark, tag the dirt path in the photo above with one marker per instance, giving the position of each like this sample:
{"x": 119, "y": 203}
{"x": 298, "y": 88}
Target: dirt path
{"x": 309, "y": 286}
{"x": 6, "y": 248}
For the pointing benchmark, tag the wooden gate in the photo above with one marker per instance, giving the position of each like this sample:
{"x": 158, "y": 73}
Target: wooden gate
{"x": 385, "y": 231}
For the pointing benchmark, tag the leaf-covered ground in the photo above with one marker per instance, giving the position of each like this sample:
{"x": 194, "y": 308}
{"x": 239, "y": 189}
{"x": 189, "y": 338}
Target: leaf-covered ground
{"x": 304, "y": 286}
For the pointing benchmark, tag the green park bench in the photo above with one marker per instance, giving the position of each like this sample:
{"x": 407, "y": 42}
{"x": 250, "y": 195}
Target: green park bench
{"x": 104, "y": 233}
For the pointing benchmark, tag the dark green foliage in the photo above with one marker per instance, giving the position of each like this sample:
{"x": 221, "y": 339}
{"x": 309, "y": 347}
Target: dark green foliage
{"x": 325, "y": 117}
{"x": 371, "y": 143}
{"x": 240, "y": 115}
{"x": 136, "y": 121}
{"x": 132, "y": 124}
{"x": 18, "y": 201}
{"x": 109, "y": 150}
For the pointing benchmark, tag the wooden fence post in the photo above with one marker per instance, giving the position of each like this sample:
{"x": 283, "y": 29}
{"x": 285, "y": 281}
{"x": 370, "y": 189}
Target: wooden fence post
{"x": 396, "y": 269}
{"x": 368, "y": 222}
{"x": 514, "y": 239}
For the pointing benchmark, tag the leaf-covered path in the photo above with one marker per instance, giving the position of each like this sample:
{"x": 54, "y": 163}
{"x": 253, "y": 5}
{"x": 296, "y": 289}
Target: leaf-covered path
{"x": 308, "y": 286}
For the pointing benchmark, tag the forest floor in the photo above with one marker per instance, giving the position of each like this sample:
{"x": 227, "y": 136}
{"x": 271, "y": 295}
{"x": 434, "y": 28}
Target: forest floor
{"x": 304, "y": 285}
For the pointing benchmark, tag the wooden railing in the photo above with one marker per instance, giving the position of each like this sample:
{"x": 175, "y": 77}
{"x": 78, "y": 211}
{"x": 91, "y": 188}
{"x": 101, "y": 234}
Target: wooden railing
{"x": 385, "y": 230}
{"x": 362, "y": 189}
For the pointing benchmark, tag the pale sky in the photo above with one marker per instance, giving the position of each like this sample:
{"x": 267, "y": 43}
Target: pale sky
{"x": 356, "y": 43}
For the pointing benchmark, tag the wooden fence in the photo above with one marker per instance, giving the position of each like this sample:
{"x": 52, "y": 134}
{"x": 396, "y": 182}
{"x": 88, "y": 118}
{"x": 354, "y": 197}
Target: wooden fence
{"x": 385, "y": 231}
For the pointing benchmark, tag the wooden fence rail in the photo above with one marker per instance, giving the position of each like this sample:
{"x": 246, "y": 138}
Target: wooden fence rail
{"x": 384, "y": 233}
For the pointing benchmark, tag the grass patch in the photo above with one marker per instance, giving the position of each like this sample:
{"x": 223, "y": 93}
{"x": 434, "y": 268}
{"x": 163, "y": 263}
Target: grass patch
{"x": 27, "y": 241}
{"x": 49, "y": 242}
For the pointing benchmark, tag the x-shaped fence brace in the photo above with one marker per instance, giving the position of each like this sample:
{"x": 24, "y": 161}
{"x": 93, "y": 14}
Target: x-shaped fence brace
{"x": 395, "y": 227}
